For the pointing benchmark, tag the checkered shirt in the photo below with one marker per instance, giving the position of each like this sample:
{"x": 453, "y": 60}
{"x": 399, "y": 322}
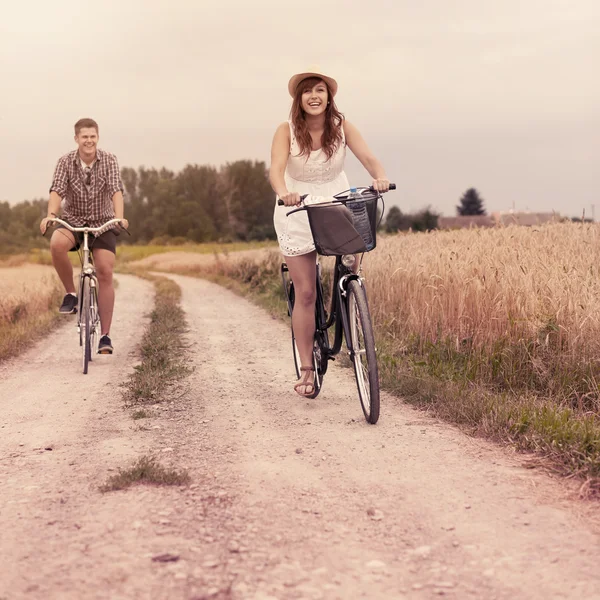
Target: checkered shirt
{"x": 87, "y": 205}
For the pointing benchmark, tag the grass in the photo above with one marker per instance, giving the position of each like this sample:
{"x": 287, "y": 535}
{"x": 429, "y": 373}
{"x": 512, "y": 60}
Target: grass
{"x": 140, "y": 414}
{"x": 130, "y": 253}
{"x": 29, "y": 300}
{"x": 127, "y": 253}
{"x": 497, "y": 331}
{"x": 146, "y": 470}
{"x": 163, "y": 350}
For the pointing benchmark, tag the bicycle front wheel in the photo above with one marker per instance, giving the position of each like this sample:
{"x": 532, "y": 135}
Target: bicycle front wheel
{"x": 362, "y": 345}
{"x": 94, "y": 321}
{"x": 85, "y": 324}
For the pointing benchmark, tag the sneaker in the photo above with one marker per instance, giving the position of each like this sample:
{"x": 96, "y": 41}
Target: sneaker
{"x": 105, "y": 346}
{"x": 69, "y": 305}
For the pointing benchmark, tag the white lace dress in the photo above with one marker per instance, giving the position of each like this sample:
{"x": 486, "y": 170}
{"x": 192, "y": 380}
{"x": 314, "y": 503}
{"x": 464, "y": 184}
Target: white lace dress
{"x": 316, "y": 176}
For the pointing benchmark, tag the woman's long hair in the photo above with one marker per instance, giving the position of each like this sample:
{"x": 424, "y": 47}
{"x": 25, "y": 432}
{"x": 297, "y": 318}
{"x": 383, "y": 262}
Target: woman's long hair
{"x": 332, "y": 134}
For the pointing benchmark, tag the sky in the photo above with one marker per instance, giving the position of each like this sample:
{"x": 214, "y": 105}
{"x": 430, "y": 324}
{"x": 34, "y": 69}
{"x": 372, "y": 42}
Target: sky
{"x": 449, "y": 94}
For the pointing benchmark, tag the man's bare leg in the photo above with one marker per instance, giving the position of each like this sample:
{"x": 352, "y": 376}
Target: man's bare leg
{"x": 61, "y": 242}
{"x": 104, "y": 260}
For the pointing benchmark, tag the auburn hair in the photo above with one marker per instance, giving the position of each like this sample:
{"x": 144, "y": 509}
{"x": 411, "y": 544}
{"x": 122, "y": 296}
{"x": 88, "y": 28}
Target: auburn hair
{"x": 85, "y": 123}
{"x": 332, "y": 134}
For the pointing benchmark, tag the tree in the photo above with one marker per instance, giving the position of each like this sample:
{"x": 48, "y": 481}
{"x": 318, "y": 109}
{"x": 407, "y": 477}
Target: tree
{"x": 396, "y": 221}
{"x": 245, "y": 190}
{"x": 425, "y": 220}
{"x": 471, "y": 203}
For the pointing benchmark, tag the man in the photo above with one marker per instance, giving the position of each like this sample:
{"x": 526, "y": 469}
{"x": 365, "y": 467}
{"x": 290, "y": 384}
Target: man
{"x": 89, "y": 181}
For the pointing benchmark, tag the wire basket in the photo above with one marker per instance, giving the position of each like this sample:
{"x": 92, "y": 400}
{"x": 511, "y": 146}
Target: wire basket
{"x": 349, "y": 229}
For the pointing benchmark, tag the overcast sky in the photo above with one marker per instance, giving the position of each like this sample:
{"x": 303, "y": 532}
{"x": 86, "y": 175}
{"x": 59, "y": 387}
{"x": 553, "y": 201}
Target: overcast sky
{"x": 503, "y": 95}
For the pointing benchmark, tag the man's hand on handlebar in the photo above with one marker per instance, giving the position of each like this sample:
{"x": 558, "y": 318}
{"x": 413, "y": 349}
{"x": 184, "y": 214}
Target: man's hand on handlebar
{"x": 44, "y": 225}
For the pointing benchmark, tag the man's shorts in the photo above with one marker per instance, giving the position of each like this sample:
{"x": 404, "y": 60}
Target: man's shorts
{"x": 106, "y": 241}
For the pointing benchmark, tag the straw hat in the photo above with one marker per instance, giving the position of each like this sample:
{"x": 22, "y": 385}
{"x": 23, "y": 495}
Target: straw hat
{"x": 314, "y": 72}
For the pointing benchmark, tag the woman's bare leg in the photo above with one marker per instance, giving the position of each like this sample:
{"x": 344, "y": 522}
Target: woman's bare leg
{"x": 303, "y": 271}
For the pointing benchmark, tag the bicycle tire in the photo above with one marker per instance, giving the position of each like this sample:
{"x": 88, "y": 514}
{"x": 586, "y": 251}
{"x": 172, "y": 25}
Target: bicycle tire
{"x": 85, "y": 324}
{"x": 364, "y": 357}
{"x": 289, "y": 294}
{"x": 94, "y": 321}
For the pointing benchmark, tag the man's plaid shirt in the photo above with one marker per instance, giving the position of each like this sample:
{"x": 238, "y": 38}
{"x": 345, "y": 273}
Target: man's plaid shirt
{"x": 87, "y": 205}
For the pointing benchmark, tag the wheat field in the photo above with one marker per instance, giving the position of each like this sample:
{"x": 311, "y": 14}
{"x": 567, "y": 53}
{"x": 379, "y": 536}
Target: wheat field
{"x": 29, "y": 299}
{"x": 25, "y": 290}
{"x": 522, "y": 304}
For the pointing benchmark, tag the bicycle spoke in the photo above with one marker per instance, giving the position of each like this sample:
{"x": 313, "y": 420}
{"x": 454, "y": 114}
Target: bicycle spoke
{"x": 363, "y": 347}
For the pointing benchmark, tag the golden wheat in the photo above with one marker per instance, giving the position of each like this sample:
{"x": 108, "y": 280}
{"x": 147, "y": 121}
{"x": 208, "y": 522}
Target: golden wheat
{"x": 482, "y": 284}
{"x": 25, "y": 290}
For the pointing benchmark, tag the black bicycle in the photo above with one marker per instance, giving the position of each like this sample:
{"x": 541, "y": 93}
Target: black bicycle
{"x": 343, "y": 226}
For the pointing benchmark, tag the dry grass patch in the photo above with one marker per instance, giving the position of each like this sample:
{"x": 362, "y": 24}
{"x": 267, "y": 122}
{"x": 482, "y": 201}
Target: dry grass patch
{"x": 163, "y": 368}
{"x": 146, "y": 470}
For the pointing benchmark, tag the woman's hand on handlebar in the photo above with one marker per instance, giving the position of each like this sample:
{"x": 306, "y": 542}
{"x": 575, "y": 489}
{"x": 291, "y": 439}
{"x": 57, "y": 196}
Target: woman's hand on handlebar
{"x": 291, "y": 199}
{"x": 381, "y": 184}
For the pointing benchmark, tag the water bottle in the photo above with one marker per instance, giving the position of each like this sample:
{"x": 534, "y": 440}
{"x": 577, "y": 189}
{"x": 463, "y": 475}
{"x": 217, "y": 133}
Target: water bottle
{"x": 362, "y": 223}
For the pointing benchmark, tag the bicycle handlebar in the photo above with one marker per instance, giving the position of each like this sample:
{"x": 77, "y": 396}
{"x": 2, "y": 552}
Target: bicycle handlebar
{"x": 84, "y": 229}
{"x": 343, "y": 196}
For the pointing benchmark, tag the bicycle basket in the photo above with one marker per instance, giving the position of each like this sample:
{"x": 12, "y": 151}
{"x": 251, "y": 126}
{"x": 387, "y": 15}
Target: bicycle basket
{"x": 340, "y": 229}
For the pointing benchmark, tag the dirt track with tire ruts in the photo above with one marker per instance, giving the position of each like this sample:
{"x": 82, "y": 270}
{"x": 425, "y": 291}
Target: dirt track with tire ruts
{"x": 290, "y": 498}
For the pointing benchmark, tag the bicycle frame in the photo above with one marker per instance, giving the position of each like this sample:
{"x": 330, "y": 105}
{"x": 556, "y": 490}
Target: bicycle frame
{"x": 87, "y": 270}
{"x": 338, "y": 313}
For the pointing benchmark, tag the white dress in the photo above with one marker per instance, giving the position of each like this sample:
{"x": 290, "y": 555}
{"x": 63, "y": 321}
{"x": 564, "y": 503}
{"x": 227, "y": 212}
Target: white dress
{"x": 316, "y": 176}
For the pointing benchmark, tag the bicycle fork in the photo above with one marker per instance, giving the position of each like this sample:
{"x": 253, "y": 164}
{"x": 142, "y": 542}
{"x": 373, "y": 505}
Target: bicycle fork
{"x": 342, "y": 292}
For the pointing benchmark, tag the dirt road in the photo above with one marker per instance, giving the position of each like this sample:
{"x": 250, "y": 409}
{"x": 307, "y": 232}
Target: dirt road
{"x": 289, "y": 499}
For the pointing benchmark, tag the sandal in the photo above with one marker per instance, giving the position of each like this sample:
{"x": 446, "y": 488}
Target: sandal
{"x": 306, "y": 384}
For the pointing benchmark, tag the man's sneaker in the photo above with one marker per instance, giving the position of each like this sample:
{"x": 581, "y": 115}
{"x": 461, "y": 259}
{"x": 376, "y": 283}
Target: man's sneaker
{"x": 69, "y": 305}
{"x": 105, "y": 346}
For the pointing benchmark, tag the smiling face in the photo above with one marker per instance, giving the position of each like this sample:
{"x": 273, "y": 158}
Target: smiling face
{"x": 314, "y": 96}
{"x": 87, "y": 140}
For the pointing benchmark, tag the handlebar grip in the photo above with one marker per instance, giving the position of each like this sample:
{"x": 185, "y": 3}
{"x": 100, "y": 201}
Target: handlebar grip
{"x": 280, "y": 202}
{"x": 392, "y": 187}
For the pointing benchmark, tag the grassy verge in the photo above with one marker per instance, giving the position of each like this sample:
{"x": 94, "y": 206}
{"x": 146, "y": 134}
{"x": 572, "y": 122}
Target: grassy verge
{"x": 567, "y": 436}
{"x": 146, "y": 470}
{"x": 129, "y": 253}
{"x": 28, "y": 322}
{"x": 163, "y": 351}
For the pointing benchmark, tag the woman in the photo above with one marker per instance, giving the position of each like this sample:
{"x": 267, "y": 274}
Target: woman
{"x": 307, "y": 157}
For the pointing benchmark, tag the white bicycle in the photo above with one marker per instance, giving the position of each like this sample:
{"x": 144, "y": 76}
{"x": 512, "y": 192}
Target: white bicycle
{"x": 88, "y": 319}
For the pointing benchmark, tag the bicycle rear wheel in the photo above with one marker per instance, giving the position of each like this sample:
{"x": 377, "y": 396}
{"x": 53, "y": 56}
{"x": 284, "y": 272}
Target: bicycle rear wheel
{"x": 86, "y": 333}
{"x": 364, "y": 357}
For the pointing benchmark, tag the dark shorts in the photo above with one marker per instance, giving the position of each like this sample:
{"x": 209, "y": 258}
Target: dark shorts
{"x": 106, "y": 241}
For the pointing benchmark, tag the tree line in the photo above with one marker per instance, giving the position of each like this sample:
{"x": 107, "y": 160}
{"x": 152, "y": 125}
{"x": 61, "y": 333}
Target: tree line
{"x": 200, "y": 203}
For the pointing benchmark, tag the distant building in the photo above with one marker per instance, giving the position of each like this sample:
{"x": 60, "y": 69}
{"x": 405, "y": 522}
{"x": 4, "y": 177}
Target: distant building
{"x": 497, "y": 218}
{"x": 466, "y": 221}
{"x": 525, "y": 218}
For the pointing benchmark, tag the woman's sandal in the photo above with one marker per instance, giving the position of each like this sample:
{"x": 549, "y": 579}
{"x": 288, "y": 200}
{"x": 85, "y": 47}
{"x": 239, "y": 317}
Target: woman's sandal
{"x": 305, "y": 384}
